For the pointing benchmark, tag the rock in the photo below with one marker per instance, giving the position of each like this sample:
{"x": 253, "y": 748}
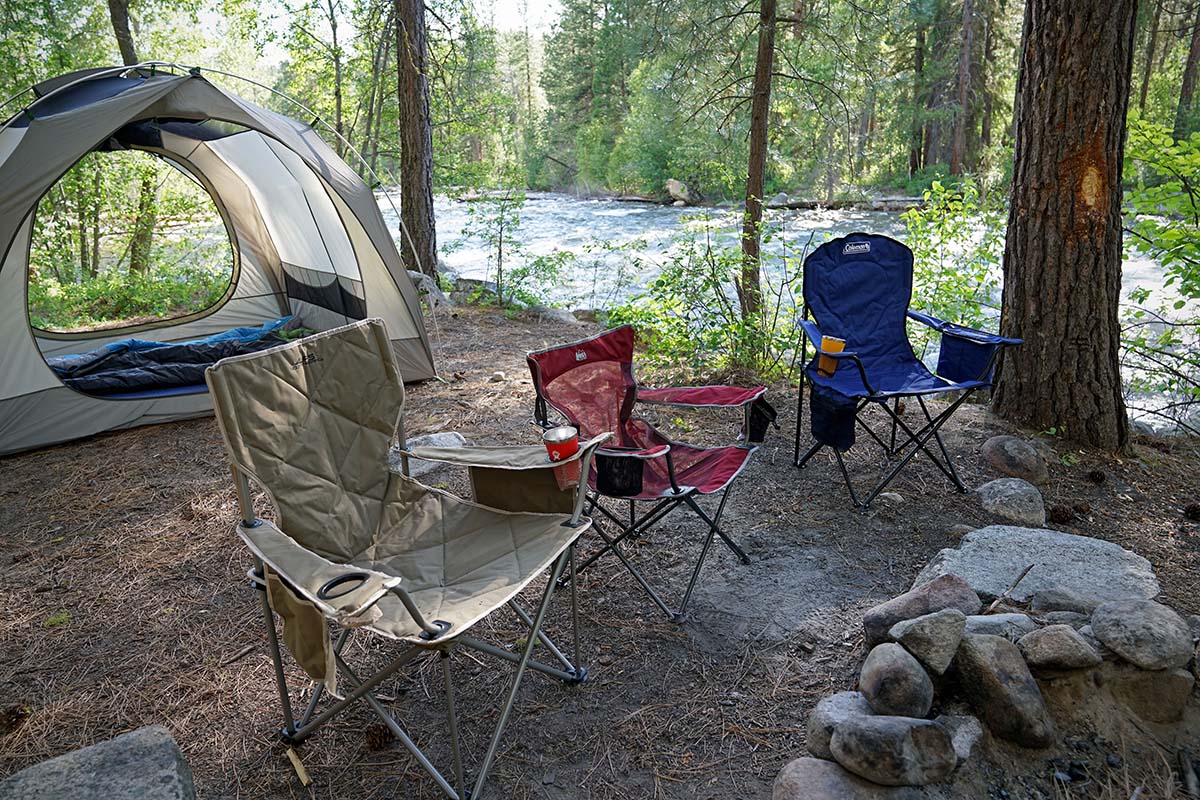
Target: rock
{"x": 679, "y": 203}
{"x": 895, "y": 751}
{"x": 960, "y": 530}
{"x": 933, "y": 638}
{"x": 1010, "y": 626}
{"x": 1140, "y": 426}
{"x": 894, "y": 683}
{"x": 996, "y": 682}
{"x": 497, "y": 377}
{"x": 1159, "y": 696}
{"x": 965, "y": 732}
{"x": 1057, "y": 647}
{"x": 1016, "y": 458}
{"x": 814, "y": 779}
{"x": 1015, "y": 499}
{"x": 586, "y": 315}
{"x": 991, "y": 558}
{"x": 428, "y": 290}
{"x": 889, "y": 498}
{"x": 1144, "y": 633}
{"x": 1072, "y": 618}
{"x": 1058, "y": 598}
{"x": 145, "y": 764}
{"x": 935, "y": 594}
{"x": 829, "y": 713}
{"x": 417, "y": 467}
{"x": 679, "y": 191}
{"x": 554, "y": 315}
{"x": 1097, "y": 645}
{"x": 780, "y": 199}
{"x": 1193, "y": 622}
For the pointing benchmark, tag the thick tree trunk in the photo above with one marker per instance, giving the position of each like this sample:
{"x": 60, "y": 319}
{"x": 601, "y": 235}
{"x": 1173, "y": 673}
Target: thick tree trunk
{"x": 1062, "y": 259}
{"x": 916, "y": 146}
{"x": 749, "y": 286}
{"x": 1187, "y": 92}
{"x": 416, "y": 137}
{"x": 989, "y": 61}
{"x": 118, "y": 12}
{"x": 958, "y": 149}
{"x": 143, "y": 227}
{"x": 1151, "y": 45}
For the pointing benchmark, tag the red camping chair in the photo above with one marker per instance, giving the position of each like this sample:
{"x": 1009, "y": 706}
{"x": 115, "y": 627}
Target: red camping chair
{"x": 591, "y": 383}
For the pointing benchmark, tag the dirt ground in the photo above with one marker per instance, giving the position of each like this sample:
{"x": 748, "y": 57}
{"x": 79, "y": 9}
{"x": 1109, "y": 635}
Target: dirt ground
{"x": 123, "y": 603}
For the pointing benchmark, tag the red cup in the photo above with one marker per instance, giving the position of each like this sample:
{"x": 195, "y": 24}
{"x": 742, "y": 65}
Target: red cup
{"x": 561, "y": 442}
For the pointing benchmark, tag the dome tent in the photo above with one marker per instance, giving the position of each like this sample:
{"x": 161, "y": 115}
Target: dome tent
{"x": 307, "y": 236}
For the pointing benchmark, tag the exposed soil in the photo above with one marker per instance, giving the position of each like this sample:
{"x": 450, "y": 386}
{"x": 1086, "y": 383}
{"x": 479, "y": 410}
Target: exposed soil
{"x": 123, "y": 603}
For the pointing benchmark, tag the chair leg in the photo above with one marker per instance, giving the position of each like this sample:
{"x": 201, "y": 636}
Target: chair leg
{"x": 812, "y": 451}
{"x": 285, "y": 700}
{"x": 846, "y": 477}
{"x": 713, "y": 529}
{"x": 460, "y": 782}
{"x": 937, "y": 435}
{"x": 713, "y": 522}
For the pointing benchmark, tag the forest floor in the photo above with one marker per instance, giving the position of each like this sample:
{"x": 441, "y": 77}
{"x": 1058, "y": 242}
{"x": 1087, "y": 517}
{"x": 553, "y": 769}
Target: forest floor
{"x": 123, "y": 603}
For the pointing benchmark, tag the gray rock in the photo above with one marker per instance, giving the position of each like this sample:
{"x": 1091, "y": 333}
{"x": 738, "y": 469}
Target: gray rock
{"x": 1160, "y": 696}
{"x": 1090, "y": 637}
{"x": 1015, "y": 499}
{"x": 1059, "y": 598}
{"x": 417, "y": 467}
{"x": 941, "y": 591}
{"x": 932, "y": 638}
{"x": 894, "y": 682}
{"x": 679, "y": 203}
{"x": 1057, "y": 647}
{"x": 895, "y": 751}
{"x": 679, "y": 191}
{"x": 428, "y": 290}
{"x": 1193, "y": 622}
{"x": 1144, "y": 633}
{"x": 551, "y": 314}
{"x": 497, "y": 377}
{"x": 145, "y": 764}
{"x": 889, "y": 498}
{"x": 1072, "y": 618}
{"x": 1016, "y": 458}
{"x": 965, "y": 732}
{"x": 960, "y": 530}
{"x": 814, "y": 779}
{"x": 829, "y": 713}
{"x": 991, "y": 558}
{"x": 997, "y": 683}
{"x": 1010, "y": 626}
{"x": 779, "y": 200}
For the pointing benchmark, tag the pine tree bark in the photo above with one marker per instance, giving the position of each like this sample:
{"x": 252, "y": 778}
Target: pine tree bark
{"x": 958, "y": 148}
{"x": 1184, "y": 122}
{"x": 1062, "y": 259}
{"x": 916, "y": 146}
{"x": 749, "y": 285}
{"x": 416, "y": 137}
{"x": 1151, "y": 45}
{"x": 118, "y": 12}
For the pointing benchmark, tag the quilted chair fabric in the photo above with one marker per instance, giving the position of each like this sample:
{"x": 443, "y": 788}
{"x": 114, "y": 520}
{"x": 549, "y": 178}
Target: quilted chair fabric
{"x": 312, "y": 422}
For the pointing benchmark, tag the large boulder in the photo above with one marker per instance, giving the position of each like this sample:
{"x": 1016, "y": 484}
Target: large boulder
{"x": 1015, "y": 458}
{"x": 1011, "y": 626}
{"x": 1060, "y": 598}
{"x": 1144, "y": 633}
{"x": 829, "y": 713}
{"x": 1014, "y": 499}
{"x": 895, "y": 751}
{"x": 680, "y": 192}
{"x": 1057, "y": 647}
{"x": 418, "y": 467}
{"x": 145, "y": 764}
{"x": 932, "y": 638}
{"x": 935, "y": 594}
{"x": 1159, "y": 696}
{"x": 814, "y": 779}
{"x": 990, "y": 559}
{"x": 996, "y": 682}
{"x": 895, "y": 683}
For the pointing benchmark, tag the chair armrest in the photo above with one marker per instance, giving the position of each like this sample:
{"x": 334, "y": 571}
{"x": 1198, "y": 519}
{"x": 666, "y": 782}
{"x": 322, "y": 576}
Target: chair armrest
{"x": 660, "y": 451}
{"x": 514, "y": 457}
{"x": 701, "y": 396}
{"x": 814, "y": 335}
{"x": 961, "y": 331}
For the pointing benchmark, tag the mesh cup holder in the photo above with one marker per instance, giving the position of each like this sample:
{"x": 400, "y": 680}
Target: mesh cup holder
{"x": 619, "y": 476}
{"x": 762, "y": 416}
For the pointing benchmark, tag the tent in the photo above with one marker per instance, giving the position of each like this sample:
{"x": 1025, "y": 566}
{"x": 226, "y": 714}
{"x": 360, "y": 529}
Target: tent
{"x": 307, "y": 236}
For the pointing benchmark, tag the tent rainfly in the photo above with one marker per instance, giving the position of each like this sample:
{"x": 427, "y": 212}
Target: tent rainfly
{"x": 308, "y": 238}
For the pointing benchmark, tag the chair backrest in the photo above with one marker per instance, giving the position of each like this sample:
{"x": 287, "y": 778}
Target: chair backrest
{"x": 590, "y": 382}
{"x": 858, "y": 288}
{"x": 312, "y": 422}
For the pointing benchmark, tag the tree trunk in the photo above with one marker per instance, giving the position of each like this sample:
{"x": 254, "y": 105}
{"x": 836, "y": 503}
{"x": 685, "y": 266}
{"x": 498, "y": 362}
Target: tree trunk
{"x": 416, "y": 137}
{"x": 916, "y": 146}
{"x": 749, "y": 285}
{"x": 1148, "y": 67}
{"x": 989, "y": 61}
{"x": 143, "y": 227}
{"x": 336, "y": 52}
{"x": 1062, "y": 258}
{"x": 1183, "y": 113}
{"x": 97, "y": 176}
{"x": 118, "y": 12}
{"x": 958, "y": 150}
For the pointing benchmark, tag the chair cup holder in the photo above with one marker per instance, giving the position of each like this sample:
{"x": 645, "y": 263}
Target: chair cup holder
{"x": 619, "y": 476}
{"x": 762, "y": 417}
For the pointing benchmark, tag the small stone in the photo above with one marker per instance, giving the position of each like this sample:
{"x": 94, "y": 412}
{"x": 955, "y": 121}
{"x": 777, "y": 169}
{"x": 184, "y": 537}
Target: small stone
{"x": 960, "y": 530}
{"x": 944, "y": 591}
{"x": 997, "y": 683}
{"x": 1072, "y": 618}
{"x": 932, "y": 638}
{"x": 889, "y": 498}
{"x": 1060, "y": 514}
{"x": 1144, "y": 633}
{"x": 1057, "y": 647}
{"x": 829, "y": 713}
{"x": 549, "y": 778}
{"x": 1158, "y": 696}
{"x": 1015, "y": 499}
{"x": 1010, "y": 626}
{"x": 895, "y": 751}
{"x": 1016, "y": 458}
{"x": 1191, "y": 512}
{"x": 1193, "y": 622}
{"x": 814, "y": 779}
{"x": 894, "y": 683}
{"x": 1058, "y": 598}
{"x": 497, "y": 376}
{"x": 965, "y": 732}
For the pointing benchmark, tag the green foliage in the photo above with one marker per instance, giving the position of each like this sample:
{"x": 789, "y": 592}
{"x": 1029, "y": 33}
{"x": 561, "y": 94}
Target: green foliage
{"x": 957, "y": 239}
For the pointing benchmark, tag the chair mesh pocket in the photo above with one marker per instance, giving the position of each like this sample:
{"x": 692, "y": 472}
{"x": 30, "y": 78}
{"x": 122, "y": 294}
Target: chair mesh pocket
{"x": 619, "y": 476}
{"x": 833, "y": 418}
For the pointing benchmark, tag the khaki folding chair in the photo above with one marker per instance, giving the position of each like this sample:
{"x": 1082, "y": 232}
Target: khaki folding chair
{"x": 374, "y": 551}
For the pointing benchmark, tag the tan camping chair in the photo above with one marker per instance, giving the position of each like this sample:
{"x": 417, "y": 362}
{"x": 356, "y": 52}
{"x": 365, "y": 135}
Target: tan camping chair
{"x": 372, "y": 550}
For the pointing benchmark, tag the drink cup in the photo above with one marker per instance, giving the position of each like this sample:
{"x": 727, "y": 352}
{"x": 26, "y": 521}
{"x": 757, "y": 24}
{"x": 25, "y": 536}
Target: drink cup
{"x": 563, "y": 442}
{"x": 825, "y": 365}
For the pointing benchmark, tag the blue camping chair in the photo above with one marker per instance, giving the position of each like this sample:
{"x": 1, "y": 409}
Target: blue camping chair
{"x": 857, "y": 289}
